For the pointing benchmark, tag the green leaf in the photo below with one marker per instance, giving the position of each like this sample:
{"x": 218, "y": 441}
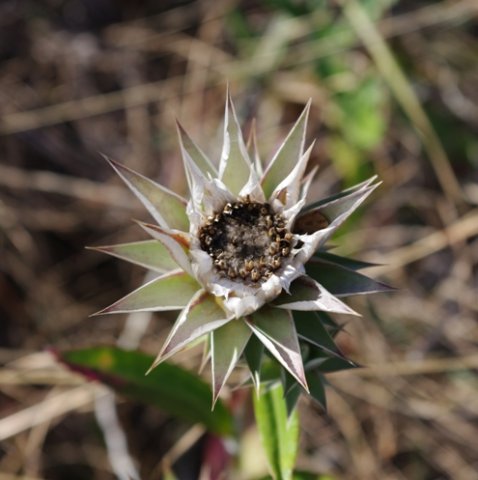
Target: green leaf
{"x": 337, "y": 211}
{"x": 171, "y": 291}
{"x": 276, "y": 330}
{"x": 196, "y": 154}
{"x": 227, "y": 345}
{"x": 307, "y": 294}
{"x": 323, "y": 363}
{"x": 346, "y": 262}
{"x": 341, "y": 281}
{"x": 331, "y": 199}
{"x": 150, "y": 254}
{"x": 279, "y": 432}
{"x": 288, "y": 154}
{"x": 175, "y": 243}
{"x": 235, "y": 166}
{"x": 332, "y": 326}
{"x": 310, "y": 476}
{"x": 253, "y": 354}
{"x": 271, "y": 369}
{"x": 169, "y": 387}
{"x": 165, "y": 206}
{"x": 201, "y": 316}
{"x": 317, "y": 388}
{"x": 292, "y": 391}
{"x": 311, "y": 328}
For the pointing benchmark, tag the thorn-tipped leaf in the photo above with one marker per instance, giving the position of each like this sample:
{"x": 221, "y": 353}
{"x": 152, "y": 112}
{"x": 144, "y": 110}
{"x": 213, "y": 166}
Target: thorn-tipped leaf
{"x": 202, "y": 315}
{"x": 150, "y": 254}
{"x": 227, "y": 344}
{"x": 166, "y": 207}
{"x": 171, "y": 291}
{"x": 307, "y": 294}
{"x": 286, "y": 157}
{"x": 276, "y": 330}
{"x": 235, "y": 167}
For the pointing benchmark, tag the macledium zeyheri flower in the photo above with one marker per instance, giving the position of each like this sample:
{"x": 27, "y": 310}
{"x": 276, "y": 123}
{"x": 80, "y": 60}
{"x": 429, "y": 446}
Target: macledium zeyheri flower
{"x": 243, "y": 260}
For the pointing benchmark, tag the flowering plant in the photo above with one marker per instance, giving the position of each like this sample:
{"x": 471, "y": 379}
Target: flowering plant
{"x": 243, "y": 260}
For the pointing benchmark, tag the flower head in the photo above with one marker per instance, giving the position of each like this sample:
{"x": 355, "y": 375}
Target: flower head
{"x": 244, "y": 253}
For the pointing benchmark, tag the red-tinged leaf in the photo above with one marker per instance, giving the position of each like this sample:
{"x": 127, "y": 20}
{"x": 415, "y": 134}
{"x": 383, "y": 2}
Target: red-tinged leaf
{"x": 169, "y": 387}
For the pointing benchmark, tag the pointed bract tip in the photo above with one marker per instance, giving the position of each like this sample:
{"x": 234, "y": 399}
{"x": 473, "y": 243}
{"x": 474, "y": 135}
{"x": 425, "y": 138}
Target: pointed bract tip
{"x": 144, "y": 225}
{"x": 105, "y": 157}
{"x": 103, "y": 311}
{"x": 157, "y": 361}
{"x": 99, "y": 248}
{"x": 180, "y": 129}
{"x": 215, "y": 398}
{"x": 150, "y": 369}
{"x": 112, "y": 163}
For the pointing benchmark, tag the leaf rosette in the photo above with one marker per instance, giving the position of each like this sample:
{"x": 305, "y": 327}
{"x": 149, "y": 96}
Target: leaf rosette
{"x": 243, "y": 260}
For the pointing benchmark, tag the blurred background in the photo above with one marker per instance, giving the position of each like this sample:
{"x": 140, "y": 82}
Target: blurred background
{"x": 394, "y": 88}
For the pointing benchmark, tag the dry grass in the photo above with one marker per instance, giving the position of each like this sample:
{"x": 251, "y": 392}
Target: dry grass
{"x": 77, "y": 80}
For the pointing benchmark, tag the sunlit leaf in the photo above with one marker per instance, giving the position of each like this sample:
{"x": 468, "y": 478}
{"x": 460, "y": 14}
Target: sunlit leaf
{"x": 201, "y": 316}
{"x": 196, "y": 154}
{"x": 337, "y": 211}
{"x": 176, "y": 244}
{"x": 344, "y": 195}
{"x": 171, "y": 291}
{"x": 150, "y": 254}
{"x": 288, "y": 154}
{"x": 165, "y": 206}
{"x": 235, "y": 166}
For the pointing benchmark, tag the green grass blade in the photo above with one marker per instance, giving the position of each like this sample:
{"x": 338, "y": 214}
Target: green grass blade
{"x": 279, "y": 432}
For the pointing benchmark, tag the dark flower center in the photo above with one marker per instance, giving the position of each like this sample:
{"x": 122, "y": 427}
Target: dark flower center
{"x": 246, "y": 241}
